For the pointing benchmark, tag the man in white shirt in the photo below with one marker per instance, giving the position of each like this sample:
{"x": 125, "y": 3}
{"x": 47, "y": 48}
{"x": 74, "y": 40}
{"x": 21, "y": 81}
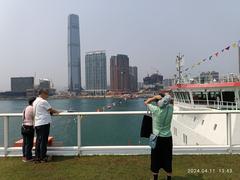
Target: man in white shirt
{"x": 42, "y": 113}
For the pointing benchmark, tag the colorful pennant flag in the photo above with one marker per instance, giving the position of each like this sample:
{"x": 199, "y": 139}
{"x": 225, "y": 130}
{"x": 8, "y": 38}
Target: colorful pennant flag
{"x": 234, "y": 45}
{"x": 227, "y": 48}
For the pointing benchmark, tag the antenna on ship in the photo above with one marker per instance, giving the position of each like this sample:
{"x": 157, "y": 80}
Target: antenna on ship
{"x": 179, "y": 65}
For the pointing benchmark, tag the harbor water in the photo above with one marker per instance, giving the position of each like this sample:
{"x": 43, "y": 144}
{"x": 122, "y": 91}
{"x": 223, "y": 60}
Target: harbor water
{"x": 95, "y": 130}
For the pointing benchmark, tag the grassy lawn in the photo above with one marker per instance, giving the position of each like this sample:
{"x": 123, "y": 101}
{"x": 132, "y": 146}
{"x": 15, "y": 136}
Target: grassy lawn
{"x": 120, "y": 168}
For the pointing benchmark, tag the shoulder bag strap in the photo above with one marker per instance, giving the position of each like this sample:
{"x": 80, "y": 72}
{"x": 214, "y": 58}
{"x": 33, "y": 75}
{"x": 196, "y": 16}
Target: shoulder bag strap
{"x": 34, "y": 112}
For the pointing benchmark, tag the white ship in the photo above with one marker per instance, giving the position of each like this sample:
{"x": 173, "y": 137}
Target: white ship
{"x": 205, "y": 129}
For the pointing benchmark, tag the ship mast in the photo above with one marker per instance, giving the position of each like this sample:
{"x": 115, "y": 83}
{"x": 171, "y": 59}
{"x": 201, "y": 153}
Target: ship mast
{"x": 179, "y": 65}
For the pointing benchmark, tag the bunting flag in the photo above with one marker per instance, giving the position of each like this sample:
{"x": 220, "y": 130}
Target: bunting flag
{"x": 227, "y": 48}
{"x": 234, "y": 45}
{"x": 216, "y": 54}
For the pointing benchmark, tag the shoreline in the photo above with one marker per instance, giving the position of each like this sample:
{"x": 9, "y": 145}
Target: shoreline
{"x": 75, "y": 97}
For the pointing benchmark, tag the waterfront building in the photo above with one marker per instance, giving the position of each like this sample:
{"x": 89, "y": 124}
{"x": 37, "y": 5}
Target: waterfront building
{"x": 168, "y": 82}
{"x": 153, "y": 82}
{"x": 21, "y": 84}
{"x": 119, "y": 73}
{"x": 210, "y": 76}
{"x": 96, "y": 72}
{"x": 44, "y": 84}
{"x": 74, "y": 55}
{"x": 133, "y": 78}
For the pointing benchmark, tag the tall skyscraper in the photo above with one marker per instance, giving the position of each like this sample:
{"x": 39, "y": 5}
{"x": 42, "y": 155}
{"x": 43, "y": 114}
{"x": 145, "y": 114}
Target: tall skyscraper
{"x": 133, "y": 78}
{"x": 119, "y": 73}
{"x": 96, "y": 73}
{"x": 74, "y": 56}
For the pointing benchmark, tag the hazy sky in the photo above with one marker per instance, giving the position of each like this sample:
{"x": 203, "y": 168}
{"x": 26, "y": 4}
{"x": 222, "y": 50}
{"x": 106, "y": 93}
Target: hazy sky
{"x": 33, "y": 35}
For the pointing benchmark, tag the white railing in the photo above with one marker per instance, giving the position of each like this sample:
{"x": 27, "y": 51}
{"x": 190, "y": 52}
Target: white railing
{"x": 133, "y": 150}
{"x": 223, "y": 105}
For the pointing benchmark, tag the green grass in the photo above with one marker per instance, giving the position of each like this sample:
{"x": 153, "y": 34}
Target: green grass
{"x": 119, "y": 168}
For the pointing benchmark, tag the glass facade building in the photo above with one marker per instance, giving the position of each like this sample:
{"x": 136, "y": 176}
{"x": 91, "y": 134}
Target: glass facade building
{"x": 133, "y": 78}
{"x": 96, "y": 73}
{"x": 74, "y": 56}
{"x": 21, "y": 84}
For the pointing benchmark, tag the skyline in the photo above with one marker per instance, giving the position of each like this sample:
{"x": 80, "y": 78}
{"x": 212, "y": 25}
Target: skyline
{"x": 34, "y": 37}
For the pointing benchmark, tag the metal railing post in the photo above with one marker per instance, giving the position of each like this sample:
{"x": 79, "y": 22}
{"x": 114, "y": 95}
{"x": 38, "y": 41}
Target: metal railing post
{"x": 5, "y": 134}
{"x": 229, "y": 132}
{"x": 79, "y": 142}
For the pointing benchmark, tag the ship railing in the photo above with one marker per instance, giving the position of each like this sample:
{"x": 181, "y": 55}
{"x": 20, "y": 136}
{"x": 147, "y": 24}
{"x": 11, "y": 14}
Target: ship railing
{"x": 228, "y": 105}
{"x": 215, "y": 104}
{"x": 79, "y": 149}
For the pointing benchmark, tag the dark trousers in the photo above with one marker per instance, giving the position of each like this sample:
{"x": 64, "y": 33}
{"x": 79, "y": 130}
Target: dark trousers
{"x": 42, "y": 133}
{"x": 28, "y": 135}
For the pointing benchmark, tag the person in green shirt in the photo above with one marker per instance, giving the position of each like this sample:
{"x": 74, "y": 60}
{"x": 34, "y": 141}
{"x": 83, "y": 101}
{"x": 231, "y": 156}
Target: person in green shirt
{"x": 162, "y": 112}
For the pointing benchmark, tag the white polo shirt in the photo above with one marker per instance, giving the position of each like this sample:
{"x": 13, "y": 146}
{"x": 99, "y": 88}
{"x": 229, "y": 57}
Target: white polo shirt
{"x": 42, "y": 115}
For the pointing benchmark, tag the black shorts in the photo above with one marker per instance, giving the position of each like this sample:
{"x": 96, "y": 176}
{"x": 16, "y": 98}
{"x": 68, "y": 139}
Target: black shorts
{"x": 161, "y": 156}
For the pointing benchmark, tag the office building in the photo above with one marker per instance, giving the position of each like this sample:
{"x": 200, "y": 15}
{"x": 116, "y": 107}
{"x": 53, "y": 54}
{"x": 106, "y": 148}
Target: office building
{"x": 74, "y": 55}
{"x": 153, "y": 82}
{"x": 133, "y": 78}
{"x": 96, "y": 73}
{"x": 44, "y": 84}
{"x": 211, "y": 76}
{"x": 168, "y": 82}
{"x": 119, "y": 73}
{"x": 21, "y": 84}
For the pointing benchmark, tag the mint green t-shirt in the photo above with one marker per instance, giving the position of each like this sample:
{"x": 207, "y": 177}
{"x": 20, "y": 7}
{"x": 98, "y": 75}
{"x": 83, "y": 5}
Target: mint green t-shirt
{"x": 162, "y": 118}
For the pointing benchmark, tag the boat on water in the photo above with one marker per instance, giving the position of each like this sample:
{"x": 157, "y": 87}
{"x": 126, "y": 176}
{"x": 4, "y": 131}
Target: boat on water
{"x": 206, "y": 129}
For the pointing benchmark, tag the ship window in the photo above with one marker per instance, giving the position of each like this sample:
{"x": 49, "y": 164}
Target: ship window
{"x": 195, "y": 118}
{"x": 184, "y": 138}
{"x": 181, "y": 97}
{"x": 215, "y": 127}
{"x": 228, "y": 96}
{"x": 187, "y": 97}
{"x": 175, "y": 131}
{"x": 199, "y": 98}
{"x": 214, "y": 97}
{"x": 202, "y": 122}
{"x": 177, "y": 96}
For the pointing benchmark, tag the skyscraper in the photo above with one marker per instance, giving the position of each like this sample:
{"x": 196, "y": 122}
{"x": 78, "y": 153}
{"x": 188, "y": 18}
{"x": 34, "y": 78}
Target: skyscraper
{"x": 96, "y": 73}
{"x": 133, "y": 78}
{"x": 119, "y": 73}
{"x": 74, "y": 57}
